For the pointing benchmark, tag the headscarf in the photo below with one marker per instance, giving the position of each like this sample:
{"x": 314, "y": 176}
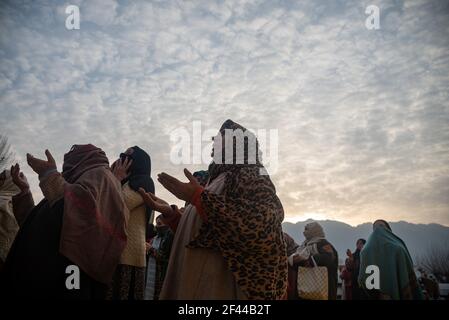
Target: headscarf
{"x": 384, "y": 222}
{"x": 140, "y": 174}
{"x": 314, "y": 233}
{"x": 94, "y": 221}
{"x": 388, "y": 252}
{"x": 8, "y": 223}
{"x": 244, "y": 224}
{"x": 222, "y": 162}
{"x": 140, "y": 170}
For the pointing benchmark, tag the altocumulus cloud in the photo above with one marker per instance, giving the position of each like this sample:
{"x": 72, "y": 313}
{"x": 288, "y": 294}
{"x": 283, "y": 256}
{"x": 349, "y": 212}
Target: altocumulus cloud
{"x": 362, "y": 114}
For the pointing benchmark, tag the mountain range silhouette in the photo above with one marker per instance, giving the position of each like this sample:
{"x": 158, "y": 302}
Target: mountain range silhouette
{"x": 418, "y": 237}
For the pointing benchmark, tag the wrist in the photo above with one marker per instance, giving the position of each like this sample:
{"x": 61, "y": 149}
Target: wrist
{"x": 44, "y": 174}
{"x": 196, "y": 195}
{"x": 196, "y": 201}
{"x": 170, "y": 211}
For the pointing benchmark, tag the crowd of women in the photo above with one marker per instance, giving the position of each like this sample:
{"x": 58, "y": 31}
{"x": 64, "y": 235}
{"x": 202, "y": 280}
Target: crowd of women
{"x": 227, "y": 241}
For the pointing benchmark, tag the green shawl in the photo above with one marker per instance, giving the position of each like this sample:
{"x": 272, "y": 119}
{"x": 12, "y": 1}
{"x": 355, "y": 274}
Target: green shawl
{"x": 397, "y": 277}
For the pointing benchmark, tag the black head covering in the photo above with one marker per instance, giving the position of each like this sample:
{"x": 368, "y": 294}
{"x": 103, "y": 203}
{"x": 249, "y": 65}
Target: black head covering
{"x": 140, "y": 173}
{"x": 140, "y": 170}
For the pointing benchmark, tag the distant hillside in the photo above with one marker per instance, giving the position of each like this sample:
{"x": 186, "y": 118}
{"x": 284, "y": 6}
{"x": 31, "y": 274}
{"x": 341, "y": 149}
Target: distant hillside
{"x": 418, "y": 237}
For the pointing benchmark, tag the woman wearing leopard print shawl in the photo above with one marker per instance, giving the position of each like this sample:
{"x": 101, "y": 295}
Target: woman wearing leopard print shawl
{"x": 229, "y": 242}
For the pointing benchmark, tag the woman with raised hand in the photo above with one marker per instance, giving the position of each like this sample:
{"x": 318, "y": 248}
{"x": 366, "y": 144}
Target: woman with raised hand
{"x": 228, "y": 241}
{"x": 69, "y": 245}
{"x": 133, "y": 170}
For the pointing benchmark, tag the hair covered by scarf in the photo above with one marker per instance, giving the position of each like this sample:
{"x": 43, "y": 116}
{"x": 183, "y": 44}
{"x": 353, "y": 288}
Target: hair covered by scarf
{"x": 140, "y": 171}
{"x": 93, "y": 230}
{"x": 313, "y": 230}
{"x": 140, "y": 175}
{"x": 390, "y": 254}
{"x": 314, "y": 233}
{"x": 244, "y": 224}
{"x": 222, "y": 160}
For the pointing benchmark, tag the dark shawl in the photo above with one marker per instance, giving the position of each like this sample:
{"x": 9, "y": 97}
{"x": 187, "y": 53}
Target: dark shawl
{"x": 35, "y": 269}
{"x": 397, "y": 276}
{"x": 140, "y": 173}
{"x": 357, "y": 293}
{"x": 140, "y": 170}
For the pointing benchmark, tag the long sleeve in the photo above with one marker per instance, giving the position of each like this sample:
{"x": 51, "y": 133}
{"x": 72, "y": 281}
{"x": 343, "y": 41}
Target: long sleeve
{"x": 52, "y": 187}
{"x": 132, "y": 198}
{"x": 22, "y": 205}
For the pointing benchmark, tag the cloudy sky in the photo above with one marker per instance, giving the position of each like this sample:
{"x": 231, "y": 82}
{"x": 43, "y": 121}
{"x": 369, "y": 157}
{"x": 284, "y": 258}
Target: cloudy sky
{"x": 362, "y": 115}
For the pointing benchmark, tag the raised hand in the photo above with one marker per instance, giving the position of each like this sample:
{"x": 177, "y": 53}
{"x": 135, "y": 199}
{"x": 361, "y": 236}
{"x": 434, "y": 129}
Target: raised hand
{"x": 120, "y": 168}
{"x": 19, "y": 178}
{"x": 155, "y": 203}
{"x": 182, "y": 190}
{"x": 41, "y": 166}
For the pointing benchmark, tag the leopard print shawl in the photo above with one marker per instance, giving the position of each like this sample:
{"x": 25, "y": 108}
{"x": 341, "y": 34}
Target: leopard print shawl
{"x": 244, "y": 224}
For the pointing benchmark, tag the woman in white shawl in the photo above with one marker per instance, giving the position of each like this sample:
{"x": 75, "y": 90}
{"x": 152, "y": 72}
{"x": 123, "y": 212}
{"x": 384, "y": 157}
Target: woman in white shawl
{"x": 323, "y": 253}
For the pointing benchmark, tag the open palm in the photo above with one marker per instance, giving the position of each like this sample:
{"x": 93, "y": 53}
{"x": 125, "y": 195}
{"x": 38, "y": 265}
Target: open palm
{"x": 41, "y": 166}
{"x": 155, "y": 203}
{"x": 19, "y": 178}
{"x": 182, "y": 190}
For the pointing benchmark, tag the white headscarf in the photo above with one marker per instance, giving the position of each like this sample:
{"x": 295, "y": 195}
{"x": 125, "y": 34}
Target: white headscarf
{"x": 313, "y": 232}
{"x": 8, "y": 223}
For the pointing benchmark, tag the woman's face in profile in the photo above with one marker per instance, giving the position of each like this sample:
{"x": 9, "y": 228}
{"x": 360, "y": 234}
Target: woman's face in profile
{"x": 306, "y": 228}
